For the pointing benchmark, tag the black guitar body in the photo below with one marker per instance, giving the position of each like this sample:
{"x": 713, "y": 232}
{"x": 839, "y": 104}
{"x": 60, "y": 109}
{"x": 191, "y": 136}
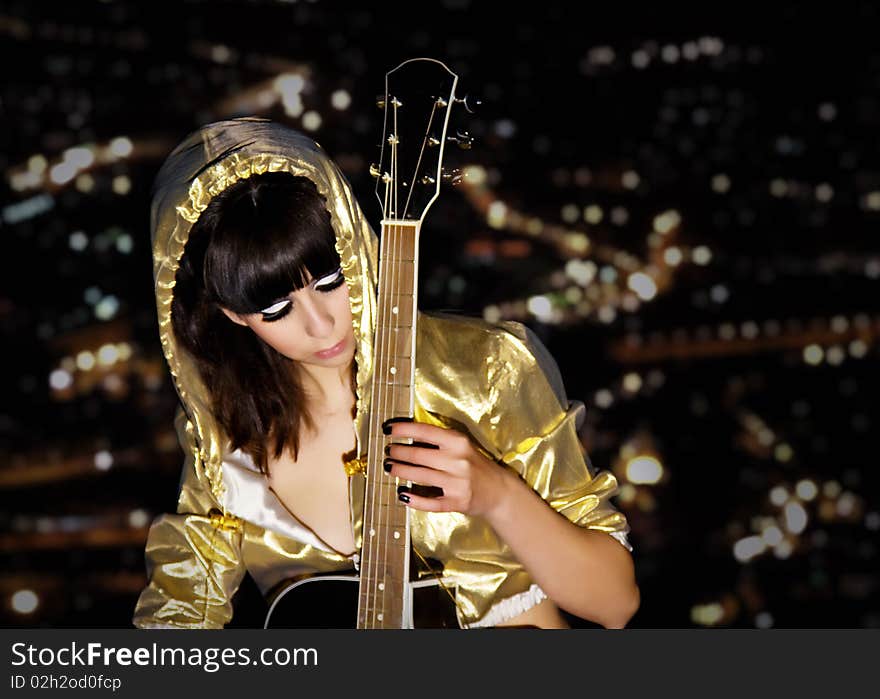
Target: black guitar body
{"x": 331, "y": 602}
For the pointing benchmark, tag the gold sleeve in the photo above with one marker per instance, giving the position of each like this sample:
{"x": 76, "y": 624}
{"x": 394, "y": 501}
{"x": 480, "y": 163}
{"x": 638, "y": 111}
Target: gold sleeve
{"x": 547, "y": 452}
{"x": 194, "y": 561}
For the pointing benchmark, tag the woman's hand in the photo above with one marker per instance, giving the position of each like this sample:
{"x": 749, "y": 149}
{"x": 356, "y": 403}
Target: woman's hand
{"x": 446, "y": 459}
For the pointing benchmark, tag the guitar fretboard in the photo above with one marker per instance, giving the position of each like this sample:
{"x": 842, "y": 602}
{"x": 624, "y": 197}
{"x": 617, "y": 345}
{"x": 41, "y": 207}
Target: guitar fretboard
{"x": 385, "y": 554}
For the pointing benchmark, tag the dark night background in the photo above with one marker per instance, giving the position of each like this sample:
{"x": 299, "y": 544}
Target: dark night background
{"x": 683, "y": 204}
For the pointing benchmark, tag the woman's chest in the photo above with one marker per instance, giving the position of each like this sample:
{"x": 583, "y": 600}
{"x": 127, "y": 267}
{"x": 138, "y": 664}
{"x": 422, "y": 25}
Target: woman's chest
{"x": 314, "y": 487}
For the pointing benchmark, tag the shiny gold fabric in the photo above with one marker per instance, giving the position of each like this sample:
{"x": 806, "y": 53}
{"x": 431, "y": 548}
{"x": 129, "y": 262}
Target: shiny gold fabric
{"x": 496, "y": 382}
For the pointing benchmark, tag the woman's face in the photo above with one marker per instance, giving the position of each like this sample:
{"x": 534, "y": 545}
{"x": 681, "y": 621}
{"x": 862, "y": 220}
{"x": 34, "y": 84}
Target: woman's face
{"x": 312, "y": 325}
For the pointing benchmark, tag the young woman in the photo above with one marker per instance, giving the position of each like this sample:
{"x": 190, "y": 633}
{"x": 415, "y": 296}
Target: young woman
{"x": 265, "y": 273}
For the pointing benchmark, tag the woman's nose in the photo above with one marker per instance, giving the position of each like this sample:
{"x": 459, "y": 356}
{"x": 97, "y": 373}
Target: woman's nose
{"x": 318, "y": 319}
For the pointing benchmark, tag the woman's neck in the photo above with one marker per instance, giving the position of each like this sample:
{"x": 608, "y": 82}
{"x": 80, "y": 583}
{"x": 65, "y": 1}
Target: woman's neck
{"x": 329, "y": 389}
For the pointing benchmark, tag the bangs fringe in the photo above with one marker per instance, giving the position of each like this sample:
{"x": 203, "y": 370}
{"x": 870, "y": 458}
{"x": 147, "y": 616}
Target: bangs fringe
{"x": 276, "y": 231}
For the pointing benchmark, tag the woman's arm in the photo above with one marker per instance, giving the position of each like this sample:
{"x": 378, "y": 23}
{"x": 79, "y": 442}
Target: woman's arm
{"x": 585, "y": 571}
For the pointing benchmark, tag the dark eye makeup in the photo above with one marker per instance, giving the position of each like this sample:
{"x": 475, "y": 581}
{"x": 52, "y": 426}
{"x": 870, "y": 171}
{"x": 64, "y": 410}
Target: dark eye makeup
{"x": 282, "y": 307}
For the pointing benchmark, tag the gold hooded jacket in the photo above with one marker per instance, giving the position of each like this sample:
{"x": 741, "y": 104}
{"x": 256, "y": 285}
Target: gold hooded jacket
{"x": 496, "y": 381}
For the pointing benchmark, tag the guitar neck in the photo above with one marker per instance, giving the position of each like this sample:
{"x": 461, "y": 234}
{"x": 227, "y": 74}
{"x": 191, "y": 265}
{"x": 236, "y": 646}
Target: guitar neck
{"x": 385, "y": 554}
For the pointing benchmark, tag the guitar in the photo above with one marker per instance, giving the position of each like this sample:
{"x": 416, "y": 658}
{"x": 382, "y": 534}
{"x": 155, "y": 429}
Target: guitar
{"x": 419, "y": 97}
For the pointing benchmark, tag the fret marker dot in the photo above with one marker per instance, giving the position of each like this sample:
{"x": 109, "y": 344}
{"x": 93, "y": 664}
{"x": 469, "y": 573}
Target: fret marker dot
{"x": 396, "y": 535}
{"x": 380, "y": 617}
{"x": 394, "y": 310}
{"x": 381, "y": 586}
{"x": 372, "y": 532}
{"x": 393, "y": 370}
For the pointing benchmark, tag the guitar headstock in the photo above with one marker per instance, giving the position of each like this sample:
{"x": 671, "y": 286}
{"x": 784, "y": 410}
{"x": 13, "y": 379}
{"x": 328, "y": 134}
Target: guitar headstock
{"x": 419, "y": 97}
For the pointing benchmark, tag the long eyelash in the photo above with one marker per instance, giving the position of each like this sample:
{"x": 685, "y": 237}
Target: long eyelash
{"x": 335, "y": 284}
{"x": 277, "y": 315}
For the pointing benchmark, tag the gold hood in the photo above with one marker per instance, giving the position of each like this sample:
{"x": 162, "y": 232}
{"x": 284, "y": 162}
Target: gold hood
{"x": 207, "y": 162}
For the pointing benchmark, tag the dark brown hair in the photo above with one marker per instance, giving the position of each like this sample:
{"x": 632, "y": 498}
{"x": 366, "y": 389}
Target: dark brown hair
{"x": 251, "y": 246}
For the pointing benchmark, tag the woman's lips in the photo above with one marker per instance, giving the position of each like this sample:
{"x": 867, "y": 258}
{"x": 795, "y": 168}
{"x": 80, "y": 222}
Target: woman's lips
{"x": 331, "y": 352}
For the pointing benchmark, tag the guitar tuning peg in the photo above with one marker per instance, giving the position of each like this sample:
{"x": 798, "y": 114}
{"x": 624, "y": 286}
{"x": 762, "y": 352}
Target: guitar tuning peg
{"x": 462, "y": 139}
{"x": 378, "y": 174}
{"x": 452, "y": 176}
{"x": 469, "y": 102}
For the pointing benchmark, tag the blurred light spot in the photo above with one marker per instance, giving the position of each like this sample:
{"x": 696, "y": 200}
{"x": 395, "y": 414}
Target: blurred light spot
{"x": 664, "y": 223}
{"x": 340, "y": 100}
{"x": 783, "y": 452}
{"x": 37, "y": 164}
{"x": 593, "y": 214}
{"x": 25, "y": 601}
{"x": 607, "y": 314}
{"x": 492, "y": 314}
{"x": 124, "y": 351}
{"x": 783, "y": 549}
{"x": 806, "y": 490}
{"x": 672, "y": 256}
{"x": 827, "y": 111}
{"x": 497, "y": 214}
{"x": 85, "y": 183}
{"x": 108, "y": 354}
{"x": 29, "y": 208}
{"x": 719, "y": 293}
{"x": 570, "y": 213}
{"x": 80, "y": 157}
{"x": 540, "y": 307}
{"x": 476, "y": 175}
{"x": 138, "y": 518}
{"x": 311, "y": 121}
{"x": 608, "y": 274}
{"x": 121, "y": 184}
{"x": 707, "y": 614}
{"x": 778, "y": 495}
{"x": 720, "y": 183}
{"x": 121, "y": 147}
{"x": 106, "y": 308}
{"x": 749, "y": 547}
{"x": 858, "y": 348}
{"x": 640, "y": 59}
{"x": 835, "y": 355}
{"x": 644, "y": 469}
{"x": 795, "y": 517}
{"x": 505, "y": 128}
{"x": 764, "y": 620}
{"x": 85, "y": 361}
{"x": 60, "y": 380}
{"x": 824, "y": 192}
{"x": 630, "y": 179}
{"x": 632, "y": 382}
{"x": 772, "y": 535}
{"x": 813, "y": 355}
{"x": 62, "y": 173}
{"x": 604, "y": 398}
{"x": 846, "y": 505}
{"x": 619, "y": 216}
{"x": 778, "y": 187}
{"x": 831, "y": 489}
{"x": 103, "y": 460}
{"x": 701, "y": 255}
{"x": 643, "y": 285}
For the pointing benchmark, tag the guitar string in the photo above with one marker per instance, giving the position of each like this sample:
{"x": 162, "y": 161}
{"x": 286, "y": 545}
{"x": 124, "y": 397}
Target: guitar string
{"x": 419, "y": 161}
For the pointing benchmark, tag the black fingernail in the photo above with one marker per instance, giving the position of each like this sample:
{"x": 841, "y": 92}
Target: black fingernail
{"x": 402, "y": 489}
{"x": 387, "y": 465}
{"x": 386, "y": 426}
{"x": 403, "y": 497}
{"x": 387, "y": 449}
